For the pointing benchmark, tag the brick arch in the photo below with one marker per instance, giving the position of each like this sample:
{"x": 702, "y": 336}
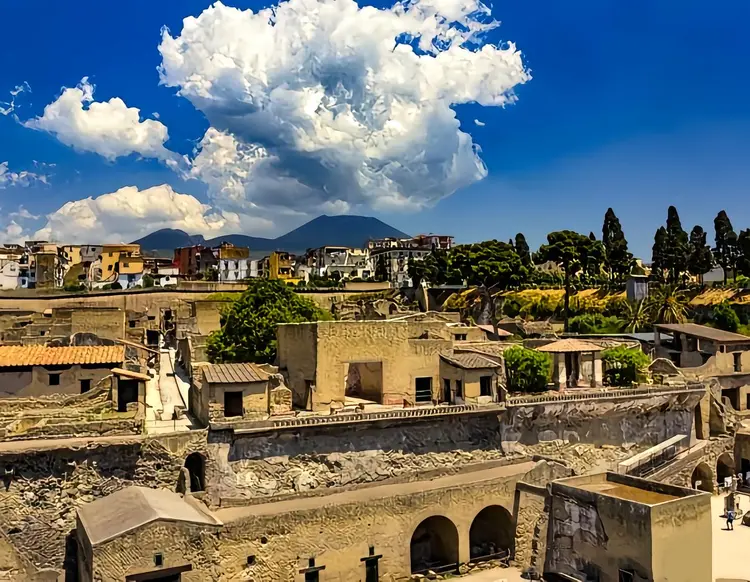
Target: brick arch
{"x": 492, "y": 531}
{"x": 433, "y": 545}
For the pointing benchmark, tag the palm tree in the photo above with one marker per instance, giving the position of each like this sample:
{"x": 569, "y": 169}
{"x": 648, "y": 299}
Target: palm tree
{"x": 668, "y": 304}
{"x": 635, "y": 317}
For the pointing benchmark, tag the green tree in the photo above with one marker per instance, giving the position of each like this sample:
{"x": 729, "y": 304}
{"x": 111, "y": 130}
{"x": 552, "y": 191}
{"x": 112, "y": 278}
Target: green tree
{"x": 526, "y": 370}
{"x": 599, "y": 323}
{"x": 622, "y": 364}
{"x": 667, "y": 304}
{"x": 725, "y": 238}
{"x": 381, "y": 269}
{"x": 618, "y": 259}
{"x": 421, "y": 270}
{"x": 522, "y": 249}
{"x": 725, "y": 317}
{"x": 676, "y": 255}
{"x": 743, "y": 253}
{"x": 248, "y": 326}
{"x": 658, "y": 253}
{"x": 570, "y": 250}
{"x": 490, "y": 266}
{"x": 148, "y": 281}
{"x": 700, "y": 258}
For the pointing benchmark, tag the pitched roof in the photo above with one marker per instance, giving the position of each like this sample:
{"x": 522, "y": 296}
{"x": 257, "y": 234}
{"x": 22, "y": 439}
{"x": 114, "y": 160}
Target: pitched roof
{"x": 704, "y": 332}
{"x": 15, "y": 356}
{"x": 487, "y": 328}
{"x": 471, "y": 360}
{"x": 130, "y": 508}
{"x": 233, "y": 374}
{"x": 569, "y": 345}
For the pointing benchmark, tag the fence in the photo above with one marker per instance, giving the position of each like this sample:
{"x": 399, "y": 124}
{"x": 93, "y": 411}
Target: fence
{"x": 652, "y": 460}
{"x": 604, "y": 394}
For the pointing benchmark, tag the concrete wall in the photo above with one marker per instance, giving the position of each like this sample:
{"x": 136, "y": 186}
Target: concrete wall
{"x": 35, "y": 381}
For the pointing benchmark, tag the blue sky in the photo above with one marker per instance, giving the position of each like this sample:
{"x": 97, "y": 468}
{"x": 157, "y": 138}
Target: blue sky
{"x": 632, "y": 105}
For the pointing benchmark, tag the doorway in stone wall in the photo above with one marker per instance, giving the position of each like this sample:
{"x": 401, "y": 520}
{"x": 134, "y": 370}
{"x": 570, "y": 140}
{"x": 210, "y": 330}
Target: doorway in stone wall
{"x": 364, "y": 381}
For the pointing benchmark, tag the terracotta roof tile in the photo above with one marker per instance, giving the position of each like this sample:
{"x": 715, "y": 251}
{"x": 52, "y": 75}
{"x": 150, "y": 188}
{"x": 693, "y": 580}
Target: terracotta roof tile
{"x": 15, "y": 356}
{"x": 471, "y": 360}
{"x": 570, "y": 345}
{"x": 234, "y": 374}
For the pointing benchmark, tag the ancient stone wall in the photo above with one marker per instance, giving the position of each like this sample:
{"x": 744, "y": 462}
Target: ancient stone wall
{"x": 641, "y": 420}
{"x": 287, "y": 463}
{"x": 43, "y": 488}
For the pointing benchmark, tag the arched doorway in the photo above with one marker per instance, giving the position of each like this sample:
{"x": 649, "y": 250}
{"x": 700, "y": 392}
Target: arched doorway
{"x": 196, "y": 466}
{"x": 492, "y": 532}
{"x": 702, "y": 479}
{"x": 724, "y": 468}
{"x": 434, "y": 546}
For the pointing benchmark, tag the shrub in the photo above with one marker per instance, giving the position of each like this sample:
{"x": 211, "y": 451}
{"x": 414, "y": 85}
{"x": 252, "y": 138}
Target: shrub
{"x": 725, "y": 317}
{"x": 526, "y": 370}
{"x": 116, "y": 285}
{"x": 622, "y": 364}
{"x": 594, "y": 323}
{"x": 148, "y": 281}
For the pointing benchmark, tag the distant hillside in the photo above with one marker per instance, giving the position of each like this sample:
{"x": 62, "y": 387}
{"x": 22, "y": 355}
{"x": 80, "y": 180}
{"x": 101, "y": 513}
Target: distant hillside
{"x": 344, "y": 230}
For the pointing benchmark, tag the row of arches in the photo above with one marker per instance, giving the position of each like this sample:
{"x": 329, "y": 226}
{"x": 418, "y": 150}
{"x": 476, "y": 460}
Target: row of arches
{"x": 435, "y": 541}
{"x": 703, "y": 478}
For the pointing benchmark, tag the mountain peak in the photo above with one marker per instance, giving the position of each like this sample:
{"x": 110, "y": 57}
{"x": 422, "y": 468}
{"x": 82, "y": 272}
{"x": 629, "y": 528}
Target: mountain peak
{"x": 346, "y": 230}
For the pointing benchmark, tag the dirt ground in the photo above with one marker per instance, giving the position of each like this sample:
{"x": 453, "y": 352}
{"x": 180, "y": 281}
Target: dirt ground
{"x": 731, "y": 561}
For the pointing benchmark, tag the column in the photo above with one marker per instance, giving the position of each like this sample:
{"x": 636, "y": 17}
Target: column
{"x": 593, "y": 370}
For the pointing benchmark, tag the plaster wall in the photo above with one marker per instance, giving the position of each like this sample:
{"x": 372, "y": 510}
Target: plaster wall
{"x": 681, "y": 535}
{"x": 254, "y": 399}
{"x": 35, "y": 381}
{"x": 404, "y": 357}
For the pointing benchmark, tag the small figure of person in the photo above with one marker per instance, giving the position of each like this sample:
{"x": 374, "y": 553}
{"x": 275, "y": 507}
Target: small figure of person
{"x": 730, "y": 520}
{"x": 740, "y": 482}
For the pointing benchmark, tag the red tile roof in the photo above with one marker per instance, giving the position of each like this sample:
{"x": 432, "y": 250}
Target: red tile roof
{"x": 15, "y": 356}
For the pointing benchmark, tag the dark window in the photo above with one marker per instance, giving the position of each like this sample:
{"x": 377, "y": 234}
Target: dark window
{"x": 232, "y": 403}
{"x": 626, "y": 576}
{"x": 126, "y": 264}
{"x": 131, "y": 323}
{"x": 737, "y": 361}
{"x": 446, "y": 390}
{"x": 459, "y": 389}
{"x": 54, "y": 379}
{"x": 158, "y": 560}
{"x": 109, "y": 267}
{"x": 460, "y": 337}
{"x": 85, "y": 386}
{"x": 485, "y": 386}
{"x": 127, "y": 392}
{"x": 423, "y": 389}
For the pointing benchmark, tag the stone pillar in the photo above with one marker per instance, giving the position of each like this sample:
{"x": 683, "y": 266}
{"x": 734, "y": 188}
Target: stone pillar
{"x": 559, "y": 373}
{"x": 593, "y": 370}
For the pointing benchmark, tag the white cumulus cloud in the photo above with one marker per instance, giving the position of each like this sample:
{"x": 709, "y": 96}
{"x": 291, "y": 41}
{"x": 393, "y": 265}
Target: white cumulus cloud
{"x": 108, "y": 128}
{"x": 9, "y": 178}
{"x": 8, "y": 107}
{"x": 129, "y": 213}
{"x": 323, "y": 104}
